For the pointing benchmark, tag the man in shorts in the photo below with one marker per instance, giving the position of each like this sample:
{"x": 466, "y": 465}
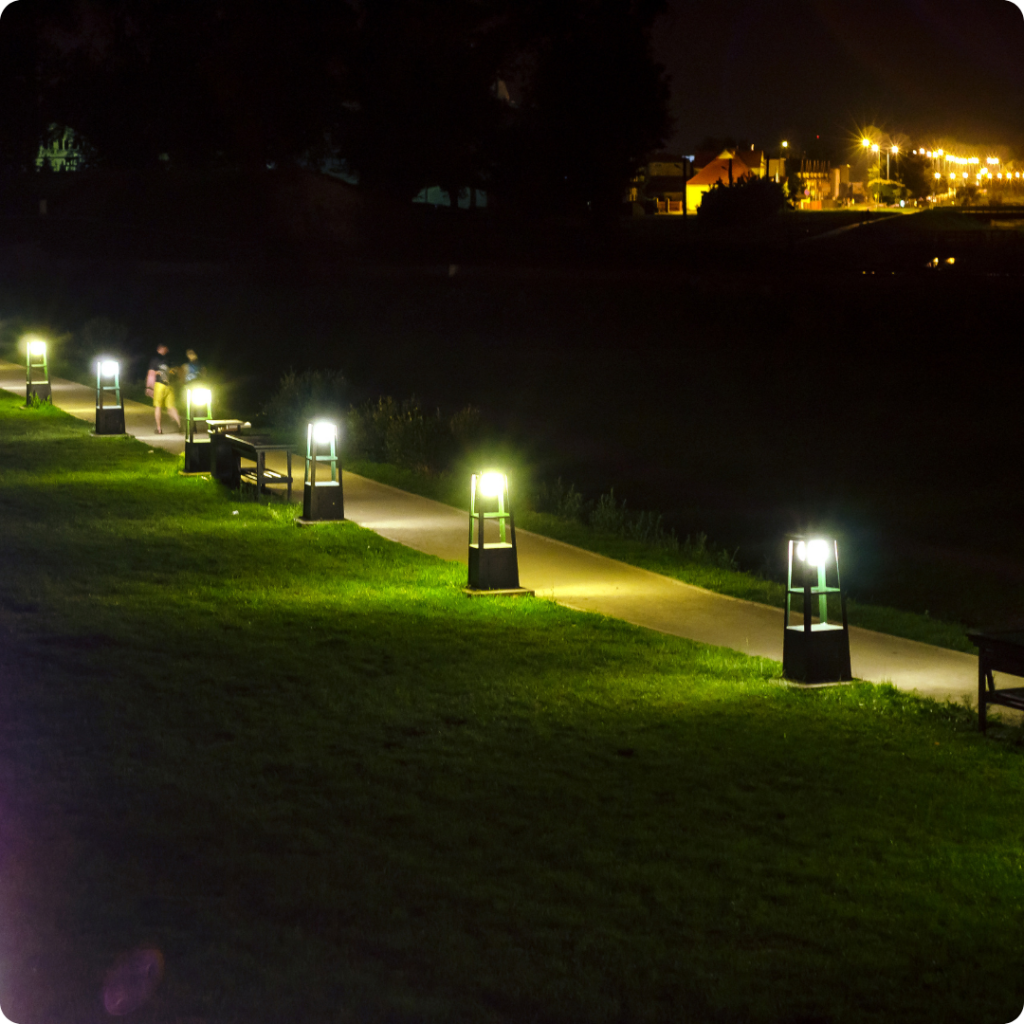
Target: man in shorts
{"x": 158, "y": 386}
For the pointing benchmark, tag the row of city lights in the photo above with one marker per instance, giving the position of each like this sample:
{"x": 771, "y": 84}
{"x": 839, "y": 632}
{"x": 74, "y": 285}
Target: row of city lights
{"x": 951, "y": 158}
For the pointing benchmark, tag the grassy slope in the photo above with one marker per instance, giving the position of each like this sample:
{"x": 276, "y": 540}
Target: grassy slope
{"x": 745, "y": 585}
{"x": 330, "y": 788}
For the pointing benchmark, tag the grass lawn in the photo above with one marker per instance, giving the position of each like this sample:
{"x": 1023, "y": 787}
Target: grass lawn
{"x": 329, "y": 788}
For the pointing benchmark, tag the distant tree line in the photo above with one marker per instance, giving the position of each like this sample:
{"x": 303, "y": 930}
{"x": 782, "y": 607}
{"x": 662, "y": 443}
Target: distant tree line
{"x": 548, "y": 106}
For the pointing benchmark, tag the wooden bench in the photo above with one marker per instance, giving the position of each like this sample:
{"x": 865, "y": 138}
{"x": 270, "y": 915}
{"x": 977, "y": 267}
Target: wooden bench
{"x": 998, "y": 651}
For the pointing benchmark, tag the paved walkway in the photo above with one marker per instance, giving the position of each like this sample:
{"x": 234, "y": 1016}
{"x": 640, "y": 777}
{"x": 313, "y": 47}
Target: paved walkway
{"x": 583, "y": 580}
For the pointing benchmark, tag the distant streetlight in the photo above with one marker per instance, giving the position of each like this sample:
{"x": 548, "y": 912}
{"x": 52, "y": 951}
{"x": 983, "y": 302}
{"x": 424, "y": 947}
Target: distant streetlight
{"x": 815, "y": 652}
{"x": 109, "y": 415}
{"x": 323, "y": 499}
{"x": 37, "y": 372}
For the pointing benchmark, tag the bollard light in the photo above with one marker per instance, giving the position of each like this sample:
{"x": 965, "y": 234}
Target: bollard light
{"x": 37, "y": 372}
{"x": 323, "y": 498}
{"x": 494, "y": 565}
{"x": 109, "y": 403}
{"x": 815, "y": 652}
{"x": 198, "y": 411}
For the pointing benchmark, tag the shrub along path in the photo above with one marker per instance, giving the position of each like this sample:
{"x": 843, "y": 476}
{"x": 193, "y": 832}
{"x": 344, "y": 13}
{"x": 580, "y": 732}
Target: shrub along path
{"x": 585, "y": 580}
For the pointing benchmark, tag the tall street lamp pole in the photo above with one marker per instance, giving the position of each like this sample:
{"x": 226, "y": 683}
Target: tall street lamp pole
{"x": 895, "y": 151}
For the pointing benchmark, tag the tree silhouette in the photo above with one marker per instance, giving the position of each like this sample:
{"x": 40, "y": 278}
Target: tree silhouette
{"x": 595, "y": 103}
{"x": 424, "y": 74}
{"x": 242, "y": 83}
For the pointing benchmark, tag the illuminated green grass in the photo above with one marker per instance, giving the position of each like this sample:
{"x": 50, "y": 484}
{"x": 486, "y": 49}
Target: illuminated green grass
{"x": 330, "y": 788}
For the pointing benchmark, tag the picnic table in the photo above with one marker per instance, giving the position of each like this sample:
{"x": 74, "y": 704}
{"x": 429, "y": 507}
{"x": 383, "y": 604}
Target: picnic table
{"x": 998, "y": 651}
{"x": 232, "y": 448}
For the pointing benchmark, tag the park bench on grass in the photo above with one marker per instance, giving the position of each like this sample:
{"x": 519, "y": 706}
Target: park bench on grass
{"x": 242, "y": 459}
{"x": 998, "y": 651}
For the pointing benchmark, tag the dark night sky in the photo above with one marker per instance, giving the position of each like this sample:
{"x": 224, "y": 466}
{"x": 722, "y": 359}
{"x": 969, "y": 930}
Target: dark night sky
{"x": 764, "y": 70}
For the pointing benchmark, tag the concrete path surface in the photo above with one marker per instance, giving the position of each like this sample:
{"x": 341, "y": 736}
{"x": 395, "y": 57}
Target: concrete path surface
{"x": 583, "y": 580}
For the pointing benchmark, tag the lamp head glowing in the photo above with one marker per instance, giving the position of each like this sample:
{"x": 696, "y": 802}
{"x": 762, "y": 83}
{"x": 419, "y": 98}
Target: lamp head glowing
{"x": 108, "y": 367}
{"x": 37, "y": 347}
{"x": 813, "y": 552}
{"x": 866, "y": 143}
{"x": 785, "y": 145}
{"x": 492, "y": 484}
{"x": 201, "y": 396}
{"x": 874, "y": 147}
{"x": 324, "y": 432}
{"x": 895, "y": 149}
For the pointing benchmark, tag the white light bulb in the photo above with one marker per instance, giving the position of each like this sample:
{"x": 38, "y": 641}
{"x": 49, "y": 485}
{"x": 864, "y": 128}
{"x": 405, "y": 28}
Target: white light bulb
{"x": 815, "y": 552}
{"x": 492, "y": 484}
{"x": 324, "y": 432}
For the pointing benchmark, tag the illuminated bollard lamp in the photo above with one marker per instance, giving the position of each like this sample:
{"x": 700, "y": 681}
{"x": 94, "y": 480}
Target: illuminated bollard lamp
{"x": 323, "y": 499}
{"x": 37, "y": 373}
{"x": 109, "y": 403}
{"x": 815, "y": 652}
{"x": 198, "y": 410}
{"x": 494, "y": 566}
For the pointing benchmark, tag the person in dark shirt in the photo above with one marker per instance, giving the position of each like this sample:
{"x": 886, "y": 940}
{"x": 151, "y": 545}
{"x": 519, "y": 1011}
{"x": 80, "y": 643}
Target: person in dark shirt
{"x": 158, "y": 386}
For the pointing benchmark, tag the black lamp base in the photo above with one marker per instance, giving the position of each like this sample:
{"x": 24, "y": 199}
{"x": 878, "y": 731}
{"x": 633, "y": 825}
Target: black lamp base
{"x": 324, "y": 501}
{"x": 493, "y": 567}
{"x": 110, "y": 420}
{"x": 197, "y": 457}
{"x": 820, "y": 656}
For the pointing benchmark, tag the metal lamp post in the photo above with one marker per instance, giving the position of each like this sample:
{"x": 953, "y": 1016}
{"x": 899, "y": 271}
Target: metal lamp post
{"x": 109, "y": 415}
{"x": 815, "y": 652}
{"x": 323, "y": 500}
{"x": 197, "y": 446}
{"x": 494, "y": 566}
{"x": 37, "y": 373}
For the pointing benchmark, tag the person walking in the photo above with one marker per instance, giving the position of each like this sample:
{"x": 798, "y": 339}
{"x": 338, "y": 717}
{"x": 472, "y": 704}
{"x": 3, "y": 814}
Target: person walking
{"x": 193, "y": 369}
{"x": 158, "y": 386}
